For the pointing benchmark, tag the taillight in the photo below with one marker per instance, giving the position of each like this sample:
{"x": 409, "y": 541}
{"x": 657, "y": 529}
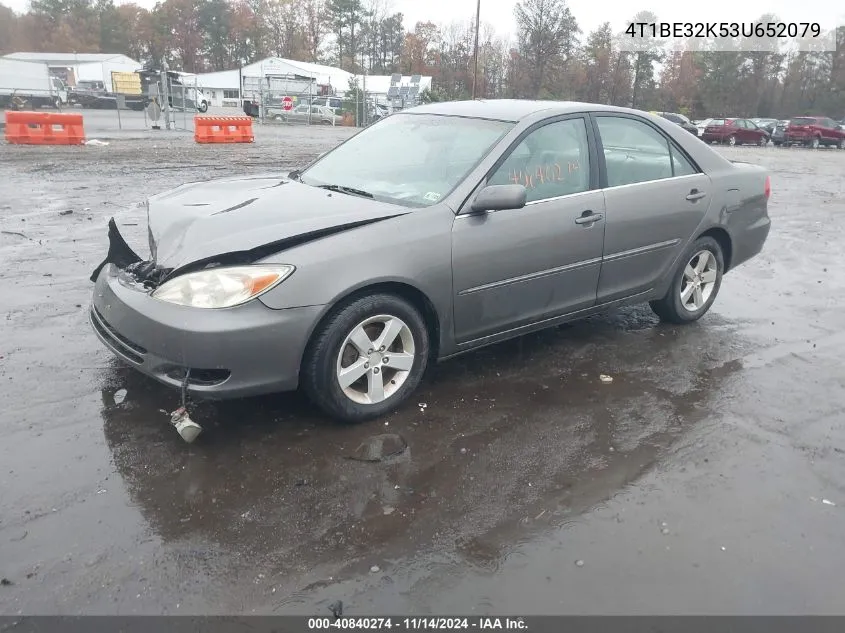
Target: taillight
{"x": 768, "y": 187}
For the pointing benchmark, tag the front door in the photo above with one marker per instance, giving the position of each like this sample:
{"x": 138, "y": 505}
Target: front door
{"x": 655, "y": 198}
{"x": 515, "y": 267}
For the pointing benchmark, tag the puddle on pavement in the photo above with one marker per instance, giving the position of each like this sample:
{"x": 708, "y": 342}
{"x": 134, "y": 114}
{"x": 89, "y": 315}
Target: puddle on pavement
{"x": 513, "y": 438}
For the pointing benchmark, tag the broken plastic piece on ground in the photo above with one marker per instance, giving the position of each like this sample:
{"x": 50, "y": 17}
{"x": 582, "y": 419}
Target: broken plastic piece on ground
{"x": 828, "y": 502}
{"x": 606, "y": 378}
{"x": 379, "y": 447}
{"x": 119, "y": 396}
{"x": 96, "y": 142}
{"x": 188, "y": 429}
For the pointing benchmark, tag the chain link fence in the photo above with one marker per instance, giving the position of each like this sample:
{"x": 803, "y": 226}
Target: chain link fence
{"x": 163, "y": 99}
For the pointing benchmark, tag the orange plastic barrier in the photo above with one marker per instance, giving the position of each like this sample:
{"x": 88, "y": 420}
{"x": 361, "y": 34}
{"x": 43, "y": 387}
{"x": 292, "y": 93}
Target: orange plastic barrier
{"x": 44, "y": 128}
{"x": 223, "y": 129}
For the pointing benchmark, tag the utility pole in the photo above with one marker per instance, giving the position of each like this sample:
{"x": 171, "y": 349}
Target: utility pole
{"x": 477, "y": 27}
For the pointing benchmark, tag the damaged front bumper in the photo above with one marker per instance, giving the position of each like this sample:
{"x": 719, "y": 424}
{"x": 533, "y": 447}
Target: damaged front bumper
{"x": 246, "y": 350}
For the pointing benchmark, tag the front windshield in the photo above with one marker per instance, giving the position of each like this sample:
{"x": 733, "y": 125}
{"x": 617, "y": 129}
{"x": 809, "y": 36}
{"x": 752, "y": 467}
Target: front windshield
{"x": 411, "y": 159}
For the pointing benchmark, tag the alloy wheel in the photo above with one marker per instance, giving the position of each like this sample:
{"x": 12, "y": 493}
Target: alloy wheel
{"x": 815, "y": 143}
{"x": 732, "y": 141}
{"x": 375, "y": 359}
{"x": 699, "y": 280}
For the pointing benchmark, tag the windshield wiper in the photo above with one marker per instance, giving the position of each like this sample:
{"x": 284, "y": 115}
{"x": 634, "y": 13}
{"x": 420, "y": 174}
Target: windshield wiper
{"x": 347, "y": 190}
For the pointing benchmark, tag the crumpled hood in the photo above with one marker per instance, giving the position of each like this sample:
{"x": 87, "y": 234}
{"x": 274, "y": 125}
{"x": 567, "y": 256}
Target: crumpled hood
{"x": 199, "y": 221}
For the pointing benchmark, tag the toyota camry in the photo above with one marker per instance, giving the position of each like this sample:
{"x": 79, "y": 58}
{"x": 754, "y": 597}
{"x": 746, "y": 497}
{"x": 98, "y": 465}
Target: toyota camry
{"x": 433, "y": 232}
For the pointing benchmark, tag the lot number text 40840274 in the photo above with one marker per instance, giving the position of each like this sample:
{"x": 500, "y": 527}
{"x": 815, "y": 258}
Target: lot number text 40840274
{"x": 418, "y": 624}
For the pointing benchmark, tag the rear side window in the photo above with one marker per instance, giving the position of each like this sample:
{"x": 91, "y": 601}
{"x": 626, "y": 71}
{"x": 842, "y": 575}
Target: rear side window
{"x": 633, "y": 151}
{"x": 680, "y": 165}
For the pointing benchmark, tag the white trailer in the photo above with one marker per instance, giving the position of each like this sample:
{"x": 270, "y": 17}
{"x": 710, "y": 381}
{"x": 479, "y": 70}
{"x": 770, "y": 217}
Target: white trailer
{"x": 29, "y": 85}
{"x": 104, "y": 72}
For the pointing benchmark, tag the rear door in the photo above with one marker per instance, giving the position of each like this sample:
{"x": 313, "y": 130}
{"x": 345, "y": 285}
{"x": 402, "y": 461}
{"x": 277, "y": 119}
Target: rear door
{"x": 830, "y": 130}
{"x": 745, "y": 131}
{"x": 519, "y": 266}
{"x": 655, "y": 197}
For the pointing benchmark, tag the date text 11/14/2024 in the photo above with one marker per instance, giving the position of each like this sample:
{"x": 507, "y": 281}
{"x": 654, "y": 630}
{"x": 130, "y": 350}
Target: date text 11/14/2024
{"x": 418, "y": 624}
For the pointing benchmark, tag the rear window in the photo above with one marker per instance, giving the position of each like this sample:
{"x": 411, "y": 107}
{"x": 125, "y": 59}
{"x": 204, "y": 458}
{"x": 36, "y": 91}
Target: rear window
{"x": 717, "y": 122}
{"x": 803, "y": 121}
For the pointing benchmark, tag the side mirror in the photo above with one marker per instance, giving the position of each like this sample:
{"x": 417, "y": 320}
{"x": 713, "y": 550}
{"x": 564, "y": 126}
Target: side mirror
{"x": 500, "y": 198}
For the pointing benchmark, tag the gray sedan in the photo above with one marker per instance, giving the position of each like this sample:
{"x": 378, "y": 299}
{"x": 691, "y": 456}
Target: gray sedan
{"x": 433, "y": 232}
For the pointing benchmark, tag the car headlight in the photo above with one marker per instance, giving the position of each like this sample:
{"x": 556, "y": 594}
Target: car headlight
{"x": 222, "y": 287}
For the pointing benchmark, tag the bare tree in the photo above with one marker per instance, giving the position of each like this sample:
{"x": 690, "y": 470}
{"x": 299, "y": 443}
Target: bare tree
{"x": 547, "y": 39}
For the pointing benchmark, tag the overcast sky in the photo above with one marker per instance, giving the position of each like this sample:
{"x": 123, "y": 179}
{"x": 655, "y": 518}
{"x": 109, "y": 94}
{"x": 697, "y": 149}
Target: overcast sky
{"x": 591, "y": 13}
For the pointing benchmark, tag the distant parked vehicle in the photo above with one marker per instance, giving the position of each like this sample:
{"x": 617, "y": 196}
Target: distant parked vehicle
{"x": 303, "y": 113}
{"x": 679, "y": 119}
{"x": 779, "y": 132}
{"x": 764, "y": 123}
{"x": 815, "y": 131}
{"x": 86, "y": 93}
{"x": 735, "y": 132}
{"x": 701, "y": 125}
{"x": 27, "y": 85}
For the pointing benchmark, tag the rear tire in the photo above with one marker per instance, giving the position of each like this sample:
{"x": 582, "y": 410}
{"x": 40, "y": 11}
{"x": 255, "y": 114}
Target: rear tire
{"x": 334, "y": 351}
{"x": 815, "y": 143}
{"x": 680, "y": 305}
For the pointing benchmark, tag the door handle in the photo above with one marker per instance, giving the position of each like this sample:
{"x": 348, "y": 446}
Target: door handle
{"x": 588, "y": 217}
{"x": 695, "y": 194}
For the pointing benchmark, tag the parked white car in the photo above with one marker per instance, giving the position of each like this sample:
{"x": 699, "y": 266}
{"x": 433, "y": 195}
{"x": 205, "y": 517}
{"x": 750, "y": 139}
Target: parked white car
{"x": 703, "y": 123}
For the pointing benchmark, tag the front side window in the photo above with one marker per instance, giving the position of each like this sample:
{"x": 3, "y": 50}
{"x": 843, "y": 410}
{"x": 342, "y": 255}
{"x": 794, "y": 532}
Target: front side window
{"x": 551, "y": 161}
{"x": 633, "y": 151}
{"x": 410, "y": 159}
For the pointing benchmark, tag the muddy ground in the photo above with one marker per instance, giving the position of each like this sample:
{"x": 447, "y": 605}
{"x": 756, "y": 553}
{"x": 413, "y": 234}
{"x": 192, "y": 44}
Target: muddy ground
{"x": 708, "y": 477}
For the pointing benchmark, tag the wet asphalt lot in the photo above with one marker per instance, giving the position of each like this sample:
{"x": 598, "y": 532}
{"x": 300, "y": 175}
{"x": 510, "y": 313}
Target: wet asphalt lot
{"x": 708, "y": 477}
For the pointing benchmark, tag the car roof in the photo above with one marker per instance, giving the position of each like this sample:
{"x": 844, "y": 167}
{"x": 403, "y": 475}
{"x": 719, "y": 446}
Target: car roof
{"x": 513, "y": 110}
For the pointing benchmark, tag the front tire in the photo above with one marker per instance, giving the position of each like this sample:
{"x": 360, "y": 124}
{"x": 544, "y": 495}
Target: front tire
{"x": 696, "y": 283}
{"x": 366, "y": 358}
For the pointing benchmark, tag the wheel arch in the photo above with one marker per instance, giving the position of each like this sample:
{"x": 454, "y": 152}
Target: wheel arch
{"x": 723, "y": 238}
{"x": 410, "y": 293}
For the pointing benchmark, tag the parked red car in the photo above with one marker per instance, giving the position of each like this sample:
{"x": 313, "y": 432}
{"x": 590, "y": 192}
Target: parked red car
{"x": 734, "y": 132}
{"x": 814, "y": 131}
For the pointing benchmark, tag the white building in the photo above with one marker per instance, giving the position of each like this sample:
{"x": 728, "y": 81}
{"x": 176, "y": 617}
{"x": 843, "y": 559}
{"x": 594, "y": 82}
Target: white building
{"x": 73, "y": 67}
{"x": 223, "y": 87}
{"x": 302, "y": 79}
